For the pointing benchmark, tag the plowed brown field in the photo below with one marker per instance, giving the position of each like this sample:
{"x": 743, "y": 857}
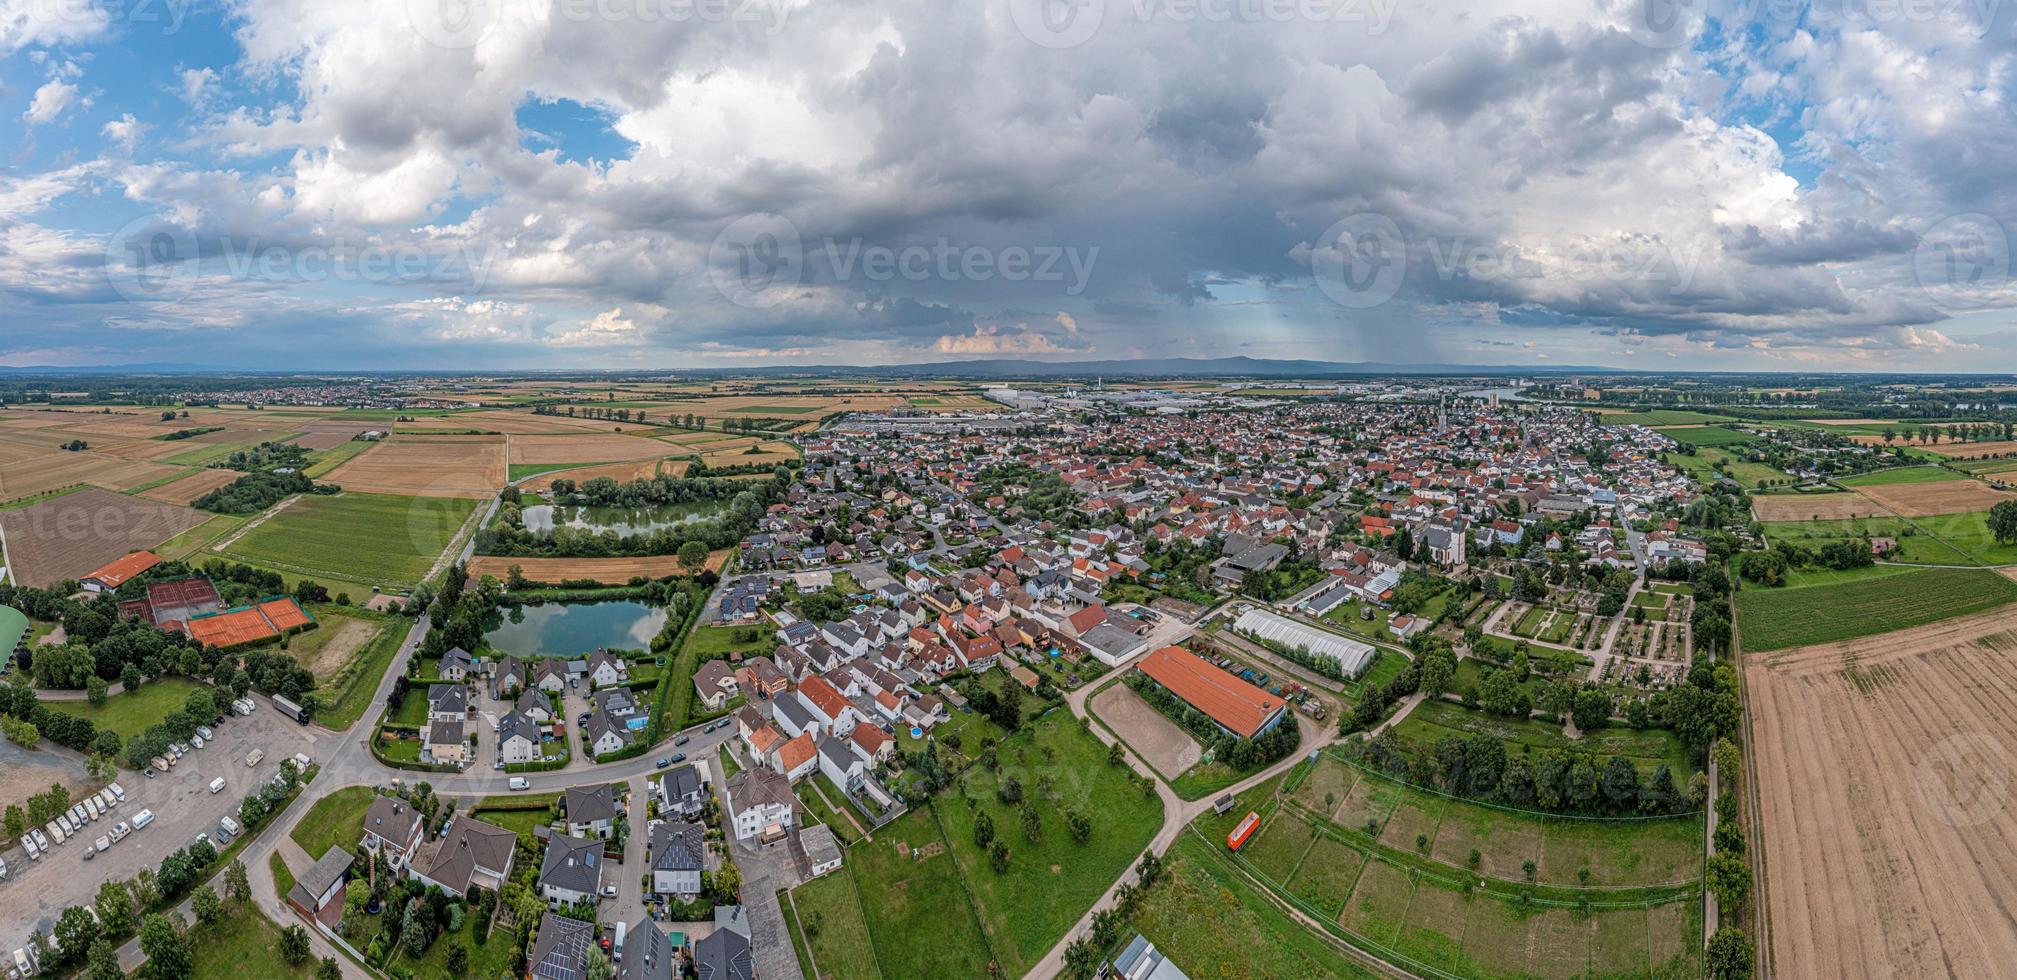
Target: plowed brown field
{"x": 191, "y": 487}
{"x": 607, "y": 570}
{"x": 1815, "y": 507}
{"x": 1929, "y": 499}
{"x": 1887, "y": 783}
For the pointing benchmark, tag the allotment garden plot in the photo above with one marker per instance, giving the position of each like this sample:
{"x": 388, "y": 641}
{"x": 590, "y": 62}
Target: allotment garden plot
{"x": 1385, "y": 865}
{"x": 1884, "y": 773}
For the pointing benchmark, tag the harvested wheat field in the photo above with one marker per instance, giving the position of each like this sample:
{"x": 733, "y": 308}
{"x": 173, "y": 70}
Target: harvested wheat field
{"x": 608, "y": 570}
{"x": 1929, "y": 499}
{"x": 35, "y": 474}
{"x": 1973, "y": 450}
{"x": 318, "y": 437}
{"x": 191, "y": 487}
{"x": 1815, "y": 507}
{"x": 584, "y": 447}
{"x": 1886, "y": 773}
{"x": 76, "y": 533}
{"x": 439, "y": 466}
{"x": 761, "y": 454}
{"x": 620, "y": 472}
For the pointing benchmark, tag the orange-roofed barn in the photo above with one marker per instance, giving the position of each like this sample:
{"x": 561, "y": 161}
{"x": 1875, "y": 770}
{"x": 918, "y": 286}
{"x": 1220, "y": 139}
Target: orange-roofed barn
{"x": 115, "y": 572}
{"x": 1234, "y": 704}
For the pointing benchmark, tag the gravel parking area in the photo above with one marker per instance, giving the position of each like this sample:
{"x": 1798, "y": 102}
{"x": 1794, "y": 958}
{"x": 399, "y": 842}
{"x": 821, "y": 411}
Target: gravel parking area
{"x": 34, "y": 893}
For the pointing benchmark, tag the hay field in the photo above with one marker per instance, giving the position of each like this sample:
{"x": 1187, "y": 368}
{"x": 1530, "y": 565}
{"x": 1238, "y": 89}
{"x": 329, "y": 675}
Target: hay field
{"x": 1815, "y": 507}
{"x": 1929, "y": 499}
{"x": 1972, "y": 450}
{"x": 191, "y": 487}
{"x": 585, "y": 447}
{"x": 608, "y": 570}
{"x": 620, "y": 472}
{"x": 1884, "y": 782}
{"x": 25, "y": 475}
{"x": 445, "y": 466}
{"x": 76, "y": 533}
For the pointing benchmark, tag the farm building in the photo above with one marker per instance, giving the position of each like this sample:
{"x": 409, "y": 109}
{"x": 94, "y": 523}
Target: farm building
{"x": 1231, "y": 703}
{"x": 114, "y": 573}
{"x": 1351, "y": 656}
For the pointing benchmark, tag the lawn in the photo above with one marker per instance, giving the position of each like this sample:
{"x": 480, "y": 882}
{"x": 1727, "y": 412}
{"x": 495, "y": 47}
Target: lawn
{"x": 705, "y": 643}
{"x": 1773, "y": 619}
{"x": 830, "y": 914}
{"x": 245, "y": 943}
{"x": 1702, "y": 465}
{"x": 918, "y": 894}
{"x": 492, "y": 958}
{"x": 1051, "y": 882}
{"x": 133, "y": 712}
{"x": 335, "y": 820}
{"x": 518, "y": 821}
{"x": 1902, "y": 474}
{"x": 373, "y": 538}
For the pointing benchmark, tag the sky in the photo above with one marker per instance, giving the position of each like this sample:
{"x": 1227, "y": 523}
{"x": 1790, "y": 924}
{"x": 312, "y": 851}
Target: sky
{"x": 509, "y": 184}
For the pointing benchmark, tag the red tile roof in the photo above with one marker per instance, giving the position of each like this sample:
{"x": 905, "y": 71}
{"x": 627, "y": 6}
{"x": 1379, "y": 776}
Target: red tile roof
{"x": 1235, "y": 704}
{"x": 118, "y": 570}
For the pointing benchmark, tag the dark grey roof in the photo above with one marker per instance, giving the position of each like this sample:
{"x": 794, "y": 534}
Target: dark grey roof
{"x": 677, "y": 846}
{"x": 516, "y": 723}
{"x": 530, "y": 699}
{"x": 447, "y": 697}
{"x": 601, "y": 722}
{"x": 647, "y": 954}
{"x": 561, "y": 951}
{"x": 572, "y": 863}
{"x": 724, "y": 955}
{"x": 391, "y": 818}
{"x": 680, "y": 782}
{"x": 586, "y": 804}
{"x": 326, "y": 872}
{"x": 790, "y": 710}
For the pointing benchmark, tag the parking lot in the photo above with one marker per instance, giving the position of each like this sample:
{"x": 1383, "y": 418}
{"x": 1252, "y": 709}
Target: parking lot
{"x": 35, "y": 892}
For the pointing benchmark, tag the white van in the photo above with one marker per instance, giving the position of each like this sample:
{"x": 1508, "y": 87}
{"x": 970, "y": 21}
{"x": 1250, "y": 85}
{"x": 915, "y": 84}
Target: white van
{"x": 217, "y": 785}
{"x": 142, "y": 819}
{"x": 117, "y": 793}
{"x": 231, "y": 825}
{"x": 520, "y": 782}
{"x": 255, "y": 757}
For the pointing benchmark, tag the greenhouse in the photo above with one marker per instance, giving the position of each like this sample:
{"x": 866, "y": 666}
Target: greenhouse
{"x": 1352, "y": 656}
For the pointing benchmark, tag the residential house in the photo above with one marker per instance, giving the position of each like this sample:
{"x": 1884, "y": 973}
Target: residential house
{"x": 681, "y": 791}
{"x": 571, "y": 871}
{"x": 392, "y": 826}
{"x": 724, "y": 955}
{"x": 534, "y": 705}
{"x": 442, "y": 742}
{"x": 470, "y": 852}
{"x": 550, "y": 675}
{"x": 759, "y": 802}
{"x": 646, "y": 954}
{"x": 603, "y": 734}
{"x": 561, "y": 950}
{"x": 822, "y": 851}
{"x": 447, "y": 702}
{"x": 456, "y": 665}
{"x": 606, "y": 669}
{"x": 796, "y": 758}
{"x": 590, "y": 810}
{"x": 715, "y": 684}
{"x": 678, "y": 851}
{"x": 517, "y": 739}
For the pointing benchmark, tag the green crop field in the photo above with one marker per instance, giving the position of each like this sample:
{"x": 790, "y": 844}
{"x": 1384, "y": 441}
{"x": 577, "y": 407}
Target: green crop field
{"x": 1713, "y": 435}
{"x": 1663, "y": 416}
{"x": 377, "y": 539}
{"x": 1773, "y": 619}
{"x": 1898, "y": 475}
{"x": 1051, "y": 882}
{"x": 1916, "y": 542}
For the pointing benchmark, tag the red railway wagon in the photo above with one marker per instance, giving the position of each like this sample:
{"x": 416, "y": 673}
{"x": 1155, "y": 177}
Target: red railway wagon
{"x": 1243, "y": 831}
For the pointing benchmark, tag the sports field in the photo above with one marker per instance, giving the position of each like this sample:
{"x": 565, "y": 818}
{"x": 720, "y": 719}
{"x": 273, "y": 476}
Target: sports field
{"x": 1774, "y": 619}
{"x": 376, "y": 539}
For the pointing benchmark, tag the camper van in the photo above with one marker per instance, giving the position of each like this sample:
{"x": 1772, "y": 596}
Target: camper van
{"x": 217, "y": 785}
{"x": 117, "y": 793}
{"x": 255, "y": 757}
{"x": 142, "y": 819}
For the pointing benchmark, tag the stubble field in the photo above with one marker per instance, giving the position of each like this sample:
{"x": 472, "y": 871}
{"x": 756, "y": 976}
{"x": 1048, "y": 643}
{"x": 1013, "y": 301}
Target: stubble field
{"x": 1815, "y": 507}
{"x": 76, "y": 533}
{"x": 1884, "y": 779}
{"x": 427, "y": 467}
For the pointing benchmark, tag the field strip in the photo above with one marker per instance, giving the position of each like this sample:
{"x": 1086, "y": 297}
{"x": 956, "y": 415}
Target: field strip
{"x": 255, "y": 522}
{"x": 453, "y": 551}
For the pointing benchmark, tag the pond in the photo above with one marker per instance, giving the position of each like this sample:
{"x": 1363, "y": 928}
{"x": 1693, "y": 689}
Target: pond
{"x": 625, "y": 521}
{"x": 563, "y": 629}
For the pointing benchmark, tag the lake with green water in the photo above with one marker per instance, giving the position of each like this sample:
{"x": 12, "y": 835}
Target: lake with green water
{"x": 562, "y": 629}
{"x": 625, "y": 521}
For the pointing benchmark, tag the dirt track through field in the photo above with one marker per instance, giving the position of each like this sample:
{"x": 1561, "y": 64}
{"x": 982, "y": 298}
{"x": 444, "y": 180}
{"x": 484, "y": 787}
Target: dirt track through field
{"x": 1887, "y": 781}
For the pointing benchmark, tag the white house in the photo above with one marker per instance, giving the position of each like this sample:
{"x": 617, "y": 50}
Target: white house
{"x": 571, "y": 870}
{"x": 759, "y": 802}
{"x": 517, "y": 739}
{"x": 677, "y": 851}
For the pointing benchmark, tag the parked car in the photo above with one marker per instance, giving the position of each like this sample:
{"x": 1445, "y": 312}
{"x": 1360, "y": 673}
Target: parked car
{"x": 681, "y": 739}
{"x": 663, "y": 763}
{"x": 678, "y": 757}
{"x": 520, "y": 782}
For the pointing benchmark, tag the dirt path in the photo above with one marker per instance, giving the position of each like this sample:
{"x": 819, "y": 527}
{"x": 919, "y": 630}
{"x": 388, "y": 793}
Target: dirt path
{"x": 232, "y": 538}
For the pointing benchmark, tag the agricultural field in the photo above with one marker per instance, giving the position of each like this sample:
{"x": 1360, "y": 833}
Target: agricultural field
{"x": 1772, "y": 508}
{"x": 1882, "y": 770}
{"x": 1205, "y": 912}
{"x": 1383, "y": 865}
{"x": 26, "y": 471}
{"x": 1956, "y": 496}
{"x": 1708, "y": 435}
{"x": 376, "y": 539}
{"x": 1661, "y": 417}
{"x": 1703, "y": 463}
{"x": 447, "y": 466}
{"x": 1914, "y": 543}
{"x": 539, "y": 477}
{"x": 1774, "y": 619}
{"x": 1900, "y": 475}
{"x": 614, "y": 571}
{"x": 71, "y": 535}
{"x": 583, "y": 448}
{"x": 1974, "y": 450}
{"x": 1050, "y": 883}
{"x": 182, "y": 490}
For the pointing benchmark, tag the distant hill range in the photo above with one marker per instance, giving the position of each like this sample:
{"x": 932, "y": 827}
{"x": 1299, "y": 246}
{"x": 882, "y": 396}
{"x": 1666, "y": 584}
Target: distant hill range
{"x": 1182, "y": 367}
